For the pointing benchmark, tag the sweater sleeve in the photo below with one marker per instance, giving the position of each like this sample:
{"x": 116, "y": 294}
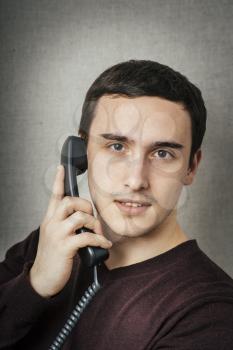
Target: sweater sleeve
{"x": 206, "y": 327}
{"x": 20, "y": 304}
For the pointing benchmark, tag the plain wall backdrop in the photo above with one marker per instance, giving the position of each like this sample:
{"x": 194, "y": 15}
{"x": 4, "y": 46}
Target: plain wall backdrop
{"x": 51, "y": 51}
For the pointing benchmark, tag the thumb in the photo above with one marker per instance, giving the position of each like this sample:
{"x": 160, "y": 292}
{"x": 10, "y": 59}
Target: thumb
{"x": 57, "y": 191}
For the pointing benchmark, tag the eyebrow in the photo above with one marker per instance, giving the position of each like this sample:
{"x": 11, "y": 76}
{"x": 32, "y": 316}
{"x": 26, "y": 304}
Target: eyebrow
{"x": 121, "y": 138}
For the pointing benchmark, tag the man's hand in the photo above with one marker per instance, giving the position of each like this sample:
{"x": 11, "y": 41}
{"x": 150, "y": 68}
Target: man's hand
{"x": 58, "y": 242}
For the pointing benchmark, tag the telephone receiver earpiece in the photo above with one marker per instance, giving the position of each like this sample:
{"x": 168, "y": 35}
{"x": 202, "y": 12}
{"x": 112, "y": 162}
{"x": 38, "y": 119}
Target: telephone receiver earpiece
{"x": 74, "y": 160}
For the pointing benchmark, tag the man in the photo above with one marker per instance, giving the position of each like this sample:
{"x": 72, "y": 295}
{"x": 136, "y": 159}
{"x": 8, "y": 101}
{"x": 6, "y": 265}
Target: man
{"x": 143, "y": 124}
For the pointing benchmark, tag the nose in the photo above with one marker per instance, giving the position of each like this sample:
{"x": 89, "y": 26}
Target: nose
{"x": 136, "y": 174}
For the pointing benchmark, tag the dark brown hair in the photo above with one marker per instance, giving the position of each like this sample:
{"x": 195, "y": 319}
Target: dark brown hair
{"x": 136, "y": 78}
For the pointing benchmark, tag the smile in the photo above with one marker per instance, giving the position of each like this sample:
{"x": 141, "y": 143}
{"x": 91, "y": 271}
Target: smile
{"x": 131, "y": 208}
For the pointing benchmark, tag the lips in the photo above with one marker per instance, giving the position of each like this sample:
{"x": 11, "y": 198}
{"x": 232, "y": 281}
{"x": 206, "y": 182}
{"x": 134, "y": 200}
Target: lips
{"x": 133, "y": 202}
{"x": 131, "y": 207}
{"x": 134, "y": 205}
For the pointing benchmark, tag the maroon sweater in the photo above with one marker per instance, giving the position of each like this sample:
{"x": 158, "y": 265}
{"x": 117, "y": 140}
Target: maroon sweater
{"x": 177, "y": 300}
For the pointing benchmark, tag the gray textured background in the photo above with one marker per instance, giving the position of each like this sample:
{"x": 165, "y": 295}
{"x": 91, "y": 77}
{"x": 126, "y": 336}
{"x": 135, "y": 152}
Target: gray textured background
{"x": 51, "y": 51}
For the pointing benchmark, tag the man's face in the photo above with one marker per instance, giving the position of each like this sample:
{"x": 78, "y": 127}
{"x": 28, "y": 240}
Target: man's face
{"x": 137, "y": 167}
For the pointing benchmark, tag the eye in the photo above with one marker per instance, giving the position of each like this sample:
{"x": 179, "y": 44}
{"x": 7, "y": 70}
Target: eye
{"x": 164, "y": 154}
{"x": 116, "y": 146}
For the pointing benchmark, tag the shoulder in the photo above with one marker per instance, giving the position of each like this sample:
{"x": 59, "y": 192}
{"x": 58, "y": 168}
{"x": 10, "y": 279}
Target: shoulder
{"x": 204, "y": 324}
{"x": 21, "y": 252}
{"x": 198, "y": 275}
{"x": 199, "y": 304}
{"x": 191, "y": 281}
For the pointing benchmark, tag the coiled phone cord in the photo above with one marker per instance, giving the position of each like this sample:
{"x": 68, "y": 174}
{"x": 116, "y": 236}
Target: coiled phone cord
{"x": 76, "y": 313}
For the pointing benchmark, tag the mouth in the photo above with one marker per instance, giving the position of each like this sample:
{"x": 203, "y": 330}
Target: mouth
{"x": 132, "y": 208}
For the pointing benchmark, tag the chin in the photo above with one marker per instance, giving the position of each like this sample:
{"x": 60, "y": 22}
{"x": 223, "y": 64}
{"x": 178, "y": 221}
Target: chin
{"x": 117, "y": 227}
{"x": 119, "y": 230}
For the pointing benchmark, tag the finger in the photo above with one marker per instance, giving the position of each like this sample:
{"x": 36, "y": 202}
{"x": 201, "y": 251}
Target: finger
{"x": 69, "y": 205}
{"x": 73, "y": 243}
{"x": 78, "y": 220}
{"x": 57, "y": 191}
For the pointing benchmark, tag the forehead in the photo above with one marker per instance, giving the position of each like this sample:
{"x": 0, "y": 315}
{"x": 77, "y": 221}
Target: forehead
{"x": 146, "y": 118}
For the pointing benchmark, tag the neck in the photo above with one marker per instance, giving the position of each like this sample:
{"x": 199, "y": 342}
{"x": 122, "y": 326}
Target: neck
{"x": 131, "y": 250}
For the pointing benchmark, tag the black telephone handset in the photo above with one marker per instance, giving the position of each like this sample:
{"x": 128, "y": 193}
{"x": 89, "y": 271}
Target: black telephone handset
{"x": 74, "y": 160}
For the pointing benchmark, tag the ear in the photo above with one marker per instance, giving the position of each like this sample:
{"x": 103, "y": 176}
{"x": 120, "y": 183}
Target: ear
{"x": 189, "y": 177}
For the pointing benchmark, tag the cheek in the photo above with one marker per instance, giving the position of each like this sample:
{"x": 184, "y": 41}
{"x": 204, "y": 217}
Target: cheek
{"x": 167, "y": 191}
{"x": 105, "y": 173}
